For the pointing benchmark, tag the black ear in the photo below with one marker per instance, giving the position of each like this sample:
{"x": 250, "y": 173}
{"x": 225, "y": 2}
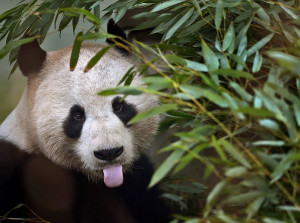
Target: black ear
{"x": 31, "y": 58}
{"x": 116, "y": 30}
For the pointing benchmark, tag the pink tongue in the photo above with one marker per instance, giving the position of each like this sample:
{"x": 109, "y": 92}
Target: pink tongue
{"x": 113, "y": 176}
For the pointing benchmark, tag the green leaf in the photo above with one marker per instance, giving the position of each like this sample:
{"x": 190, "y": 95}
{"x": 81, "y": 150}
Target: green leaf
{"x": 158, "y": 83}
{"x": 121, "y": 13}
{"x": 152, "y": 112}
{"x": 196, "y": 27}
{"x": 257, "y": 63}
{"x": 243, "y": 93}
{"x": 284, "y": 165}
{"x": 99, "y": 35}
{"x": 166, "y": 4}
{"x": 297, "y": 112}
{"x": 84, "y": 12}
{"x": 269, "y": 124}
{"x": 218, "y": 148}
{"x": 261, "y": 13}
{"x": 96, "y": 58}
{"x": 184, "y": 161}
{"x": 219, "y": 13}
{"x": 244, "y": 198}
{"x": 254, "y": 207}
{"x": 269, "y": 143}
{"x": 233, "y": 73}
{"x": 196, "y": 66}
{"x": 14, "y": 45}
{"x": 178, "y": 24}
{"x": 290, "y": 62}
{"x": 289, "y": 11}
{"x": 236, "y": 154}
{"x": 175, "y": 198}
{"x": 196, "y": 4}
{"x": 75, "y": 52}
{"x": 237, "y": 171}
{"x": 166, "y": 166}
{"x": 229, "y": 38}
{"x": 122, "y": 90}
{"x": 64, "y": 22}
{"x": 213, "y": 196}
{"x": 256, "y": 112}
{"x": 176, "y": 59}
{"x": 211, "y": 60}
{"x": 127, "y": 75}
{"x": 260, "y": 44}
{"x": 195, "y": 92}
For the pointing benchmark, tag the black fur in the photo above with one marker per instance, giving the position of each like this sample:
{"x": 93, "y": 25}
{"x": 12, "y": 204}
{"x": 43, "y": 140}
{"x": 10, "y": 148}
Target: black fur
{"x": 114, "y": 29}
{"x": 31, "y": 58}
{"x": 74, "y": 122}
{"x": 123, "y": 110}
{"x": 43, "y": 186}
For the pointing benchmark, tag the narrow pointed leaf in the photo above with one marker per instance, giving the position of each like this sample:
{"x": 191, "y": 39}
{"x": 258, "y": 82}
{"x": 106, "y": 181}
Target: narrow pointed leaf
{"x": 229, "y": 38}
{"x": 179, "y": 23}
{"x": 96, "y": 58}
{"x": 166, "y": 4}
{"x": 219, "y": 13}
{"x": 211, "y": 60}
{"x": 259, "y": 44}
{"x": 152, "y": 112}
{"x": 166, "y": 166}
{"x": 15, "y": 44}
{"x": 75, "y": 52}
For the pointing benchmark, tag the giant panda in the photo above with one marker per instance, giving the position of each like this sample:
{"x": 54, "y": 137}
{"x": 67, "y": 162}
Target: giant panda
{"x": 69, "y": 154}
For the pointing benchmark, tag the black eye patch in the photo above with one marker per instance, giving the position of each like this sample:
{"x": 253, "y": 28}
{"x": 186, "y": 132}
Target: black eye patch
{"x": 74, "y": 122}
{"x": 123, "y": 110}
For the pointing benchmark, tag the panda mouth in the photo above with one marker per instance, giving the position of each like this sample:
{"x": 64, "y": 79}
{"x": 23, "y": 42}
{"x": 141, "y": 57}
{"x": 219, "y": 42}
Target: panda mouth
{"x": 113, "y": 176}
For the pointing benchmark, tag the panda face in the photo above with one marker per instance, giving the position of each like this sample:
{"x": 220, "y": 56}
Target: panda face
{"x": 77, "y": 128}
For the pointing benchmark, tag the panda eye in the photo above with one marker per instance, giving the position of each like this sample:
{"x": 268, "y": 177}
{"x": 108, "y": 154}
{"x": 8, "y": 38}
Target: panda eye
{"x": 123, "y": 110}
{"x": 117, "y": 105}
{"x": 78, "y": 116}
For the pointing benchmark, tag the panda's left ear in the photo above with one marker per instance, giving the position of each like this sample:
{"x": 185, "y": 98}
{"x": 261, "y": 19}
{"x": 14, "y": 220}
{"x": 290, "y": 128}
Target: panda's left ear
{"x": 113, "y": 28}
{"x": 31, "y": 58}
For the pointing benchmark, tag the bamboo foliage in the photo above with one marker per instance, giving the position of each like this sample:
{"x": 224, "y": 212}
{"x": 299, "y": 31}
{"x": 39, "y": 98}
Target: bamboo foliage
{"x": 227, "y": 73}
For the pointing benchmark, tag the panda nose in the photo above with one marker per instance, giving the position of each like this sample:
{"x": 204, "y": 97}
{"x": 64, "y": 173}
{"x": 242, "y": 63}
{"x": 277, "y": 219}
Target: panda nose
{"x": 109, "y": 154}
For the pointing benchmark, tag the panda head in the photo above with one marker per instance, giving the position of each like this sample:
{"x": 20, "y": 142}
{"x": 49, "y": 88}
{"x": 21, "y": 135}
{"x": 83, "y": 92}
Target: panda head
{"x": 75, "y": 127}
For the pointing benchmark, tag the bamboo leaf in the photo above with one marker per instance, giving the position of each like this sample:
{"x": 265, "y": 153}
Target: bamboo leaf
{"x": 229, "y": 37}
{"x": 233, "y": 73}
{"x": 288, "y": 61}
{"x": 211, "y": 60}
{"x": 283, "y": 166}
{"x": 178, "y": 24}
{"x": 122, "y": 90}
{"x": 14, "y": 45}
{"x": 213, "y": 196}
{"x": 84, "y": 12}
{"x": 236, "y": 154}
{"x": 75, "y": 52}
{"x": 166, "y": 4}
{"x": 152, "y": 112}
{"x": 257, "y": 63}
{"x": 166, "y": 166}
{"x": 96, "y": 58}
{"x": 260, "y": 44}
{"x": 219, "y": 13}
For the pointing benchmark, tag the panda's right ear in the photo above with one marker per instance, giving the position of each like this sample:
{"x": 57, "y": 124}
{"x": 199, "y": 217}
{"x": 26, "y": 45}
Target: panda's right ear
{"x": 31, "y": 58}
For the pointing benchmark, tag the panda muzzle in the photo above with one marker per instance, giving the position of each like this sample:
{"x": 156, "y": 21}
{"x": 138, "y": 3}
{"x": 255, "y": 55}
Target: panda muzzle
{"x": 113, "y": 175}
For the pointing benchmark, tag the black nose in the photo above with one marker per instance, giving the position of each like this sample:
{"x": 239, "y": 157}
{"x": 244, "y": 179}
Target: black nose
{"x": 109, "y": 154}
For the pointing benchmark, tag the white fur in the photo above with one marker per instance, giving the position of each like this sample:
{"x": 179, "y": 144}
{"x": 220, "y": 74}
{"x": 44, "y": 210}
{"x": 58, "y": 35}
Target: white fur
{"x": 37, "y": 122}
